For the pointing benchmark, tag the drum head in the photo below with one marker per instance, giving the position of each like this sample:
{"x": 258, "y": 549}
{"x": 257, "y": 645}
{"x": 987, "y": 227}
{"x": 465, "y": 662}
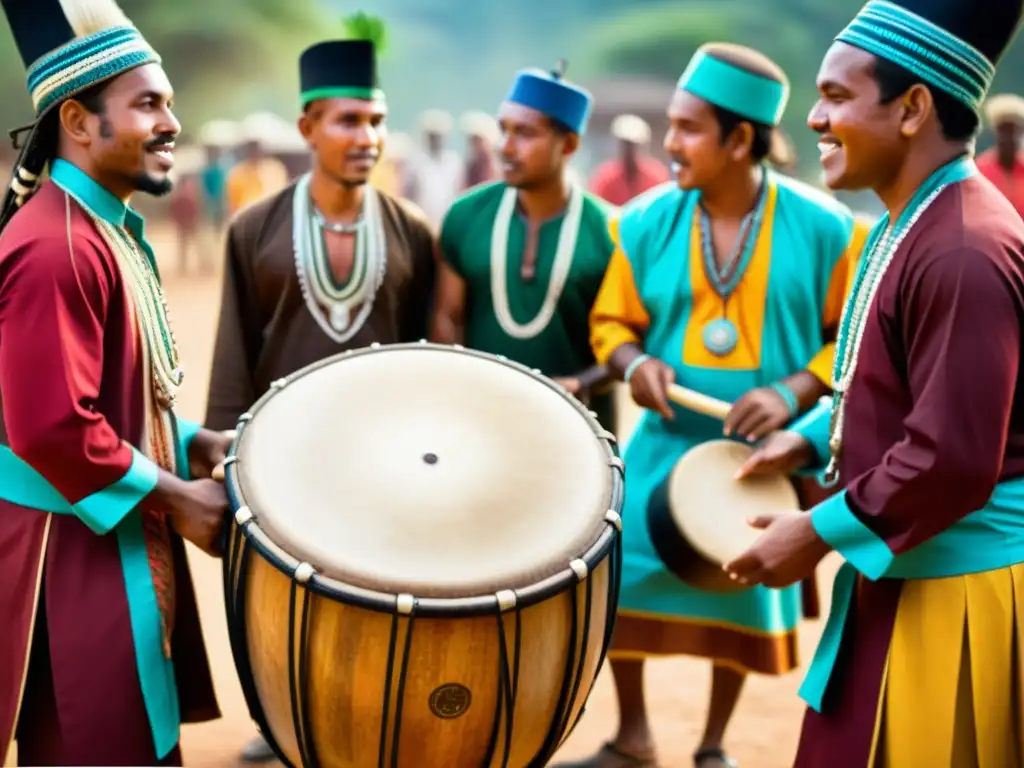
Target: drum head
{"x": 427, "y": 470}
{"x": 711, "y": 508}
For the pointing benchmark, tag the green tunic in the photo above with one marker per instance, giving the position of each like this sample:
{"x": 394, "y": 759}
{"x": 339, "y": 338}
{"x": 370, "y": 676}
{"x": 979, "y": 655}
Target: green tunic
{"x": 563, "y": 347}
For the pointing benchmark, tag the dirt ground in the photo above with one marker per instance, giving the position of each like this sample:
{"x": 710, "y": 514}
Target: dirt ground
{"x": 763, "y": 733}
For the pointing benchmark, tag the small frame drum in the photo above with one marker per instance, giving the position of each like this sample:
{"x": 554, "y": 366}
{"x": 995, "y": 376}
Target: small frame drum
{"x": 422, "y": 569}
{"x": 697, "y": 518}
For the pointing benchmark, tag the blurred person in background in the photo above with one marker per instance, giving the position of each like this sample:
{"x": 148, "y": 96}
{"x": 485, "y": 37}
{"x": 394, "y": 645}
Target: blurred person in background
{"x": 481, "y": 132}
{"x": 634, "y": 171}
{"x": 256, "y": 176}
{"x": 438, "y": 169}
{"x": 1003, "y": 163}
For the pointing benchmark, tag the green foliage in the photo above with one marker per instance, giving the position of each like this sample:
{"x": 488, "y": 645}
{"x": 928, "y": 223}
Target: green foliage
{"x": 362, "y": 26}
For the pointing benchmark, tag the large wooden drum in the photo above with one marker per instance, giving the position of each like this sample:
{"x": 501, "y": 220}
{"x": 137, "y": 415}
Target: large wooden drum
{"x": 422, "y": 567}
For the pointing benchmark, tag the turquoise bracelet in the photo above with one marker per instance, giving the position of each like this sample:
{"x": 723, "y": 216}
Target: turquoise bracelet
{"x": 631, "y": 368}
{"x": 787, "y": 396}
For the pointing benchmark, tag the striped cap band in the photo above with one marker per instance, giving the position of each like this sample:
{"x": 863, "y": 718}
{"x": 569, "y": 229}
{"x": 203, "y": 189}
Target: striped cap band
{"x": 925, "y": 49}
{"x": 86, "y": 61}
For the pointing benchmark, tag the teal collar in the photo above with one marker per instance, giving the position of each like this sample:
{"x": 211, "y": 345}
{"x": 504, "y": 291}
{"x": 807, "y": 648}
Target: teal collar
{"x": 92, "y": 195}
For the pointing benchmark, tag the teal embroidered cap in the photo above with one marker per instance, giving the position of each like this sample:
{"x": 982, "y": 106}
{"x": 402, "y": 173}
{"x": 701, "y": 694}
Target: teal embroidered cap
{"x": 922, "y": 47}
{"x": 753, "y": 96}
{"x": 70, "y": 45}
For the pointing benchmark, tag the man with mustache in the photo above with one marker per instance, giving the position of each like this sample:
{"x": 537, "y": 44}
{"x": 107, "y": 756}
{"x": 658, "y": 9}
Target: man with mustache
{"x": 522, "y": 259}
{"x": 920, "y": 663}
{"x": 101, "y": 653}
{"x": 328, "y": 264}
{"x": 730, "y": 282}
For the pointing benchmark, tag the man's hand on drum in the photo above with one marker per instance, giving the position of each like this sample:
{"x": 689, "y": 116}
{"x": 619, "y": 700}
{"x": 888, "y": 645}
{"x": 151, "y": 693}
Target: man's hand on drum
{"x": 782, "y": 453}
{"x": 207, "y": 451}
{"x": 649, "y": 385}
{"x": 198, "y": 511}
{"x": 787, "y": 552}
{"x": 758, "y": 413}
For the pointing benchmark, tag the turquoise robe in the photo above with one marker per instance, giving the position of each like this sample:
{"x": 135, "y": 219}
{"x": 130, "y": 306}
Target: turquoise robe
{"x": 787, "y": 303}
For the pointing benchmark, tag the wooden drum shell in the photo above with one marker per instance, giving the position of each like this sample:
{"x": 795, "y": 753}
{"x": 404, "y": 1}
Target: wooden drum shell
{"x": 349, "y": 665}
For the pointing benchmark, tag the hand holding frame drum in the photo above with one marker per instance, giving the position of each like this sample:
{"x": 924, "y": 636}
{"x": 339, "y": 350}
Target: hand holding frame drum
{"x": 424, "y": 576}
{"x": 697, "y": 518}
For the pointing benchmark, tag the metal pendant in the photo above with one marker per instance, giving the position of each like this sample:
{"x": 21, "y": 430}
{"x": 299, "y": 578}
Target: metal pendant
{"x": 720, "y": 337}
{"x": 340, "y": 317}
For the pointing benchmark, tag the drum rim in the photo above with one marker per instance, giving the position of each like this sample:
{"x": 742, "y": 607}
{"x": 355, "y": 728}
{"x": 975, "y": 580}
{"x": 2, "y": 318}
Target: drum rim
{"x": 386, "y": 602}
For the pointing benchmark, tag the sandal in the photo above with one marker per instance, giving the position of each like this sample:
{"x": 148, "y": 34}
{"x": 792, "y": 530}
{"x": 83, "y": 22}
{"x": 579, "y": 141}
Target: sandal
{"x": 610, "y": 756}
{"x": 713, "y": 753}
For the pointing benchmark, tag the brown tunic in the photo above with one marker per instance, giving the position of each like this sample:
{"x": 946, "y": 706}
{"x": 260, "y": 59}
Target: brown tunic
{"x": 266, "y": 331}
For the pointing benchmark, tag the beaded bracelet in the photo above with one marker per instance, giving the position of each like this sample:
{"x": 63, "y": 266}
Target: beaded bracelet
{"x": 631, "y": 368}
{"x": 787, "y": 396}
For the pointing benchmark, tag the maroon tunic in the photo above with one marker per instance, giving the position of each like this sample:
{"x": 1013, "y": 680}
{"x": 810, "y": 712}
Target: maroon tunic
{"x": 939, "y": 421}
{"x": 71, "y": 376}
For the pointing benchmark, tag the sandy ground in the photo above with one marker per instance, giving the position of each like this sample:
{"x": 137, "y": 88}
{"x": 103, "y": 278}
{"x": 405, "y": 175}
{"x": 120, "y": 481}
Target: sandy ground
{"x": 763, "y": 733}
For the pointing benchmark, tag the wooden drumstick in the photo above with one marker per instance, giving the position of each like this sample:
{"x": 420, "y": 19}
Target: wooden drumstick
{"x": 695, "y": 401}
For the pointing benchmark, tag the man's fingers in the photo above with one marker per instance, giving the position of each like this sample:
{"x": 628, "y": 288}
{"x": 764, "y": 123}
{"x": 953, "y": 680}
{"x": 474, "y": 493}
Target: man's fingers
{"x": 761, "y": 522}
{"x": 758, "y": 463}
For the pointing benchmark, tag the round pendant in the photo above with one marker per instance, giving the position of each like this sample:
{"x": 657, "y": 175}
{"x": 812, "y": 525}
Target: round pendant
{"x": 720, "y": 337}
{"x": 339, "y": 317}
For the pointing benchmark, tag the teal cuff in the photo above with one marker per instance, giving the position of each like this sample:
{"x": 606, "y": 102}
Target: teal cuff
{"x": 835, "y": 522}
{"x": 105, "y": 509}
{"x": 187, "y": 430}
{"x": 788, "y": 397}
{"x": 813, "y": 426}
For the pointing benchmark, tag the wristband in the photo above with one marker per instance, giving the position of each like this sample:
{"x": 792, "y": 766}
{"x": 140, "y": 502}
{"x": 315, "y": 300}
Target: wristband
{"x": 631, "y": 368}
{"x": 788, "y": 397}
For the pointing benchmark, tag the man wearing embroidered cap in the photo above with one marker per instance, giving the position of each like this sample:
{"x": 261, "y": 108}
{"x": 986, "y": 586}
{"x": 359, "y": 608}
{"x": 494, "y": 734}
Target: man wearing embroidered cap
{"x": 730, "y": 282}
{"x": 634, "y": 171}
{"x": 330, "y": 263}
{"x": 1003, "y": 164}
{"x": 522, "y": 259}
{"x": 920, "y": 663}
{"x": 101, "y": 653}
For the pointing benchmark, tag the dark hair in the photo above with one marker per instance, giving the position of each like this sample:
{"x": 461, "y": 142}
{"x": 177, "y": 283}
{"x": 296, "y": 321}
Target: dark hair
{"x": 729, "y": 121}
{"x": 559, "y": 127}
{"x": 959, "y": 122}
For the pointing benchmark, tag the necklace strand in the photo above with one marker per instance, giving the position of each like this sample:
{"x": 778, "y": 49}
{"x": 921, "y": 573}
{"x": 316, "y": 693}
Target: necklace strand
{"x": 560, "y": 268}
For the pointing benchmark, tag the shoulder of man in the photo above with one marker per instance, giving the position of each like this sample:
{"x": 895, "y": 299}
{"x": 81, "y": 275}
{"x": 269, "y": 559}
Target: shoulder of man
{"x": 67, "y": 247}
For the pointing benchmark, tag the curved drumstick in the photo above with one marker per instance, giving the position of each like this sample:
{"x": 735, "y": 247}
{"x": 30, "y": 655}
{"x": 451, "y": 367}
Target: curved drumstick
{"x": 695, "y": 401}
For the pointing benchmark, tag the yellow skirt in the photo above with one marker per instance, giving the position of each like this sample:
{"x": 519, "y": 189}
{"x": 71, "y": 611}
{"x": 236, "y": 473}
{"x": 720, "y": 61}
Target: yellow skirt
{"x": 953, "y": 689}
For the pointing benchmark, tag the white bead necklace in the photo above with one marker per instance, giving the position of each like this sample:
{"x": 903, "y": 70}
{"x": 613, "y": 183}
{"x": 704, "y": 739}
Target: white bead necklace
{"x": 854, "y": 320}
{"x": 331, "y": 306}
{"x": 567, "y": 237}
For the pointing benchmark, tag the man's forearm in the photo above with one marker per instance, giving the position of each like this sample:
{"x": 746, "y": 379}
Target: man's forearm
{"x": 622, "y": 358}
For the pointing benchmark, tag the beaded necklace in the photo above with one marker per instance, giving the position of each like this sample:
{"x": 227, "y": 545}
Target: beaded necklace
{"x": 564, "y": 253}
{"x": 882, "y": 247}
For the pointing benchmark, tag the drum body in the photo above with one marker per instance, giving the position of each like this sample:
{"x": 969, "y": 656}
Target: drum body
{"x": 426, "y": 613}
{"x": 697, "y": 518}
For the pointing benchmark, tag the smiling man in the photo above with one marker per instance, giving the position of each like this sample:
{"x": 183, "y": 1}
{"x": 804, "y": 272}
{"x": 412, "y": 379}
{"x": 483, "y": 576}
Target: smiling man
{"x": 328, "y": 264}
{"x": 101, "y": 653}
{"x": 729, "y": 281}
{"x": 920, "y": 663}
{"x": 522, "y": 259}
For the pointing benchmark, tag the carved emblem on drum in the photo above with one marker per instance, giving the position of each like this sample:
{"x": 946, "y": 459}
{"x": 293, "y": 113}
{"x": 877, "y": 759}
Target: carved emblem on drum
{"x": 450, "y": 700}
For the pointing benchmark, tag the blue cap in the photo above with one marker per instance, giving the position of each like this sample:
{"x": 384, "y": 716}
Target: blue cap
{"x": 550, "y": 95}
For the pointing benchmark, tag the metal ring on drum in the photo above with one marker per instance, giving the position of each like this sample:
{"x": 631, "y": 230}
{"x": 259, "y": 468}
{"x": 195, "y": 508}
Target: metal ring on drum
{"x": 697, "y": 518}
{"x": 423, "y": 565}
